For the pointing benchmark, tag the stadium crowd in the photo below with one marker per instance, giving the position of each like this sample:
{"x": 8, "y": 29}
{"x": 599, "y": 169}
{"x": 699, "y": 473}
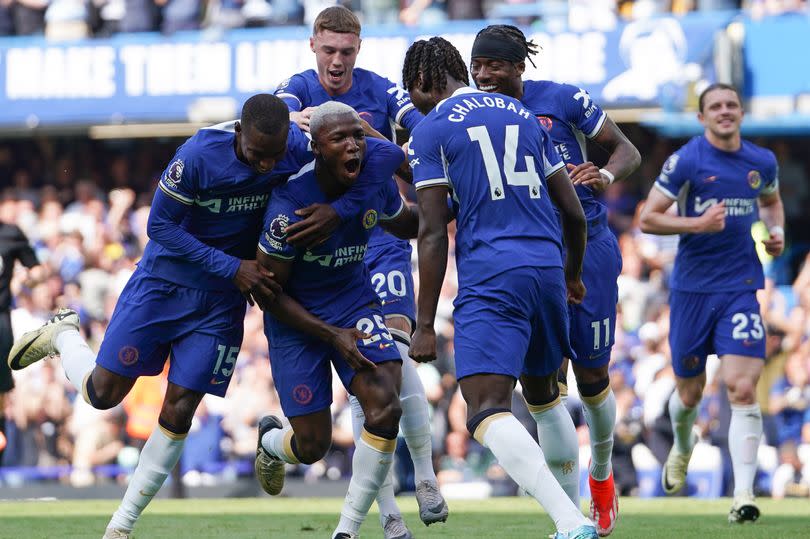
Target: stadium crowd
{"x": 84, "y": 205}
{"x": 73, "y": 19}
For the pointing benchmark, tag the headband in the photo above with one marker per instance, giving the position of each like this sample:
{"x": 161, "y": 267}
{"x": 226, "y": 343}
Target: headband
{"x": 498, "y": 47}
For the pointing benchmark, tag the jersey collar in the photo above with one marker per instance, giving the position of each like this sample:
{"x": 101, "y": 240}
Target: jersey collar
{"x": 461, "y": 91}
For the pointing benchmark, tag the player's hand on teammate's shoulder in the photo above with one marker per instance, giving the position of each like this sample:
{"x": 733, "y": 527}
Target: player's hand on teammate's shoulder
{"x": 423, "y": 345}
{"x": 713, "y": 219}
{"x": 301, "y": 118}
{"x": 345, "y": 341}
{"x": 587, "y": 174}
{"x": 318, "y": 223}
{"x": 369, "y": 130}
{"x": 256, "y": 284}
{"x": 576, "y": 290}
{"x": 775, "y": 243}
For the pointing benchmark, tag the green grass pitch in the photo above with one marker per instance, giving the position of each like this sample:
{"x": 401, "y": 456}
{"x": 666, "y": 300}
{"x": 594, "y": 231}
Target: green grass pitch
{"x": 499, "y": 518}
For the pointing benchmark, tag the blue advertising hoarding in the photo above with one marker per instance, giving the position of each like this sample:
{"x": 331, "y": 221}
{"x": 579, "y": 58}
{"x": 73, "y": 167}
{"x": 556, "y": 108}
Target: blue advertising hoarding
{"x": 203, "y": 76}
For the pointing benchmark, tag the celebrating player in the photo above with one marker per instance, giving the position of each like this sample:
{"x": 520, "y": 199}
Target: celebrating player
{"x": 187, "y": 296}
{"x": 336, "y": 44}
{"x": 329, "y": 314}
{"x": 510, "y": 315}
{"x": 499, "y": 56}
{"x": 723, "y": 185}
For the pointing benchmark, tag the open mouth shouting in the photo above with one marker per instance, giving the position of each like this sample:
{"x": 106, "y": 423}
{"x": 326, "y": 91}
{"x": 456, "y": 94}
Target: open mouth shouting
{"x": 352, "y": 167}
{"x": 336, "y": 75}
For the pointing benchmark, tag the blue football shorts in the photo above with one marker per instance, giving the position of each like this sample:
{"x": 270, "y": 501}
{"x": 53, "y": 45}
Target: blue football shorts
{"x": 516, "y": 323}
{"x": 593, "y": 322}
{"x": 302, "y": 366}
{"x": 723, "y": 323}
{"x": 389, "y": 266}
{"x": 200, "y": 329}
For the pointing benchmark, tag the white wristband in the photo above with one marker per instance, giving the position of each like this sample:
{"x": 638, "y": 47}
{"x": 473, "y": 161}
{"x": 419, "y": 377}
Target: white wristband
{"x": 777, "y": 231}
{"x": 607, "y": 174}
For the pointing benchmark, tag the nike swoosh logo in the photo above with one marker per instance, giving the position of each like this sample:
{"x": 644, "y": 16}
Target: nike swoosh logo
{"x": 14, "y": 362}
{"x": 147, "y": 494}
{"x": 215, "y": 382}
{"x": 667, "y": 484}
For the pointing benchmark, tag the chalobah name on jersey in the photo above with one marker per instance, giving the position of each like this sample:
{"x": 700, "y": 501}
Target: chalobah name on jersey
{"x": 341, "y": 256}
{"x": 478, "y": 102}
{"x": 234, "y": 204}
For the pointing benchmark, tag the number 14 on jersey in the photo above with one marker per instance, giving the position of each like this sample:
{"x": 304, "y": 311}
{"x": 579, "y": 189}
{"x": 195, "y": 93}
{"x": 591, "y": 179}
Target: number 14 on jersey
{"x": 528, "y": 178}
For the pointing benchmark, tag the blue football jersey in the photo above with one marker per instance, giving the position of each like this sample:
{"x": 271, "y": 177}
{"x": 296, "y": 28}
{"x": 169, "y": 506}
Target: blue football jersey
{"x": 379, "y": 101}
{"x": 698, "y": 176}
{"x": 494, "y": 157}
{"x": 570, "y": 116}
{"x": 331, "y": 279}
{"x": 227, "y": 199}
{"x": 376, "y": 99}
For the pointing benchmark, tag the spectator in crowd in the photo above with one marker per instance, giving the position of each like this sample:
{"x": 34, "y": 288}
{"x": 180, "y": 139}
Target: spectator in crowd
{"x": 792, "y": 478}
{"x": 66, "y": 20}
{"x": 6, "y": 20}
{"x": 179, "y": 15}
{"x": 790, "y": 399}
{"x": 139, "y": 16}
{"x": 29, "y": 17}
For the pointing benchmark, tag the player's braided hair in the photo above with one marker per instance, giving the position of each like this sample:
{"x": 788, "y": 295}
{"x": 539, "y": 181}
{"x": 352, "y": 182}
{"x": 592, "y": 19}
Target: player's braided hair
{"x": 434, "y": 59}
{"x": 514, "y": 34}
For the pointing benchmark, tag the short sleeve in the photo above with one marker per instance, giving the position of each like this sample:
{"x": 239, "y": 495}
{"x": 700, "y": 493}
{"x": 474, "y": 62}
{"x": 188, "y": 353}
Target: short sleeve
{"x": 392, "y": 201}
{"x": 292, "y": 92}
{"x": 770, "y": 176}
{"x": 552, "y": 162}
{"x": 582, "y": 111}
{"x": 426, "y": 159}
{"x": 279, "y": 215}
{"x": 673, "y": 176}
{"x": 399, "y": 106}
{"x": 384, "y": 157}
{"x": 179, "y": 179}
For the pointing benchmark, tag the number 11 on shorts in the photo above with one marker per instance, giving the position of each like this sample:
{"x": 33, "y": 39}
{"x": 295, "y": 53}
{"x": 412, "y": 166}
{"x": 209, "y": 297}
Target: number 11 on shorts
{"x": 597, "y": 330}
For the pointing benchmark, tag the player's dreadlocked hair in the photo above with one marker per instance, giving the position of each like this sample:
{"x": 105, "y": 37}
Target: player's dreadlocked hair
{"x": 434, "y": 59}
{"x": 514, "y": 34}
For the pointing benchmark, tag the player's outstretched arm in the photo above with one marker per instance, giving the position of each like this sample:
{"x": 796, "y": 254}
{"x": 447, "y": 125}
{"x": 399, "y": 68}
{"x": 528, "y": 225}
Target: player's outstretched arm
{"x": 432, "y": 248}
{"x": 656, "y": 220}
{"x": 772, "y": 213}
{"x": 575, "y": 231}
{"x": 292, "y": 313}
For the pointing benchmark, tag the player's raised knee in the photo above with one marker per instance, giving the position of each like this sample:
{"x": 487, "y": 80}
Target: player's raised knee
{"x": 385, "y": 415}
{"x": 742, "y": 391}
{"x": 102, "y": 396}
{"x": 311, "y": 448}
